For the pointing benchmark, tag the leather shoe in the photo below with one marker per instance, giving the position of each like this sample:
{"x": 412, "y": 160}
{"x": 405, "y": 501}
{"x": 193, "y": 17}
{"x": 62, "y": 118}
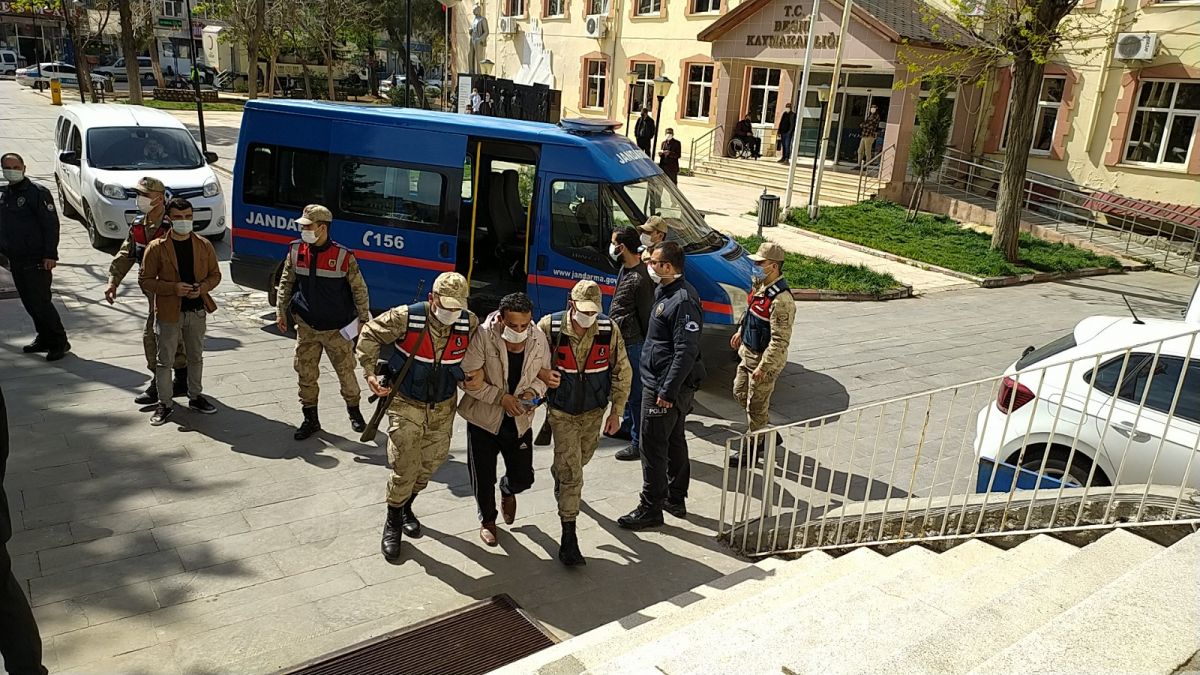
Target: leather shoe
{"x": 148, "y": 397}
{"x": 487, "y": 532}
{"x": 390, "y": 544}
{"x": 412, "y": 526}
{"x": 357, "y": 423}
{"x": 677, "y": 509}
{"x": 57, "y": 353}
{"x": 641, "y": 518}
{"x": 35, "y": 347}
{"x": 568, "y": 548}
{"x": 508, "y": 507}
{"x": 629, "y": 453}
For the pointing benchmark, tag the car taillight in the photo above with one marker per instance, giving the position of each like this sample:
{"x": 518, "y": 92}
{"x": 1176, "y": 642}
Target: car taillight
{"x": 1020, "y": 397}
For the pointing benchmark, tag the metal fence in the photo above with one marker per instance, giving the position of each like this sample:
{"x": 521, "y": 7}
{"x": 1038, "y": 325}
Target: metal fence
{"x": 870, "y": 174}
{"x": 1106, "y": 439}
{"x": 1161, "y": 234}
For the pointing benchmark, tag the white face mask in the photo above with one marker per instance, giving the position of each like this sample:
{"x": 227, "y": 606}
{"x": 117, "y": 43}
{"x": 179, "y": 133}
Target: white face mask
{"x": 308, "y": 236}
{"x": 670, "y": 136}
{"x": 145, "y": 204}
{"x": 658, "y": 278}
{"x": 614, "y": 251}
{"x": 646, "y": 240}
{"x": 585, "y": 320}
{"x": 181, "y": 226}
{"x": 446, "y": 316}
{"x": 14, "y": 175}
{"x": 513, "y": 337}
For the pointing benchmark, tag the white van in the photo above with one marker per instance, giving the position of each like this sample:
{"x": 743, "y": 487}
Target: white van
{"x": 9, "y": 62}
{"x": 104, "y": 150}
{"x": 117, "y": 72}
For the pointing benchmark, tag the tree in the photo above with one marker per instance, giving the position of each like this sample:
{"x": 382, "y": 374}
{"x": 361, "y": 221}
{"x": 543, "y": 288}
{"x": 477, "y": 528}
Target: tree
{"x": 935, "y": 115}
{"x": 143, "y": 22}
{"x": 245, "y": 22}
{"x": 1023, "y": 35}
{"x": 330, "y": 22}
{"x": 428, "y": 25}
{"x": 83, "y": 33}
{"x": 129, "y": 49}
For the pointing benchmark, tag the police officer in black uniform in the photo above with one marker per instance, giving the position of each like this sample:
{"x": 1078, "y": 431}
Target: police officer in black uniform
{"x": 671, "y": 372}
{"x": 29, "y": 238}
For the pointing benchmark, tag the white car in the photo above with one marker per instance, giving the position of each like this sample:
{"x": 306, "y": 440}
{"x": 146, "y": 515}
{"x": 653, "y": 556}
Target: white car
{"x": 39, "y": 76}
{"x": 1063, "y": 398}
{"x": 119, "y": 73}
{"x": 104, "y": 150}
{"x": 9, "y": 62}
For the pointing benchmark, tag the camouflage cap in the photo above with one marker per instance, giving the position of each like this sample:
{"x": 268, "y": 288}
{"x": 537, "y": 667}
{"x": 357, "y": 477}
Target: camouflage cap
{"x": 587, "y": 296}
{"x": 654, "y": 224}
{"x": 315, "y": 213}
{"x": 769, "y": 250}
{"x": 150, "y": 184}
{"x": 451, "y": 289}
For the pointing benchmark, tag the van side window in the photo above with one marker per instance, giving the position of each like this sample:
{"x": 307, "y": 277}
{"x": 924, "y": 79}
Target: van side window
{"x": 278, "y": 176}
{"x": 391, "y": 195}
{"x": 75, "y": 142}
{"x": 582, "y": 218}
{"x": 64, "y": 130}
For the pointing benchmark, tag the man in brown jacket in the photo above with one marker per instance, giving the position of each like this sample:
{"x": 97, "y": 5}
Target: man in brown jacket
{"x": 180, "y": 271}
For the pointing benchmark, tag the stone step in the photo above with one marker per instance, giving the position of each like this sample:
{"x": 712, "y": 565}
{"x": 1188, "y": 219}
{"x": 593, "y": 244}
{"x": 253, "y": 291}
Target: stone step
{"x": 1146, "y": 620}
{"x": 829, "y": 196}
{"x": 907, "y": 622}
{"x": 564, "y": 657}
{"x": 839, "y": 182}
{"x": 705, "y": 642}
{"x": 820, "y": 624}
{"x": 959, "y": 645}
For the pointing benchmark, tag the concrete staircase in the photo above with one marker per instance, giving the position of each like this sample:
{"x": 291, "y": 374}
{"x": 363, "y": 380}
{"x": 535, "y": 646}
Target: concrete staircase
{"x": 1119, "y": 604}
{"x": 836, "y": 188}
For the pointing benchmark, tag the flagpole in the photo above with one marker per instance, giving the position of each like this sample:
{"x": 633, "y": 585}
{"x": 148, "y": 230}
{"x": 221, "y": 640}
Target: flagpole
{"x": 800, "y": 106}
{"x": 814, "y": 206}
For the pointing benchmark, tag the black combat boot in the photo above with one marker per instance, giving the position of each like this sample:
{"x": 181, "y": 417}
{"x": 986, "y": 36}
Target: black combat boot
{"x": 412, "y": 526}
{"x": 357, "y": 423}
{"x": 150, "y": 396}
{"x": 392, "y": 533}
{"x": 179, "y": 384}
{"x": 568, "y": 550}
{"x": 310, "y": 425}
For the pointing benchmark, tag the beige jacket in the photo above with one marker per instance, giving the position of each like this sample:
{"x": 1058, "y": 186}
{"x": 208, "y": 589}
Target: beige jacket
{"x": 481, "y": 407}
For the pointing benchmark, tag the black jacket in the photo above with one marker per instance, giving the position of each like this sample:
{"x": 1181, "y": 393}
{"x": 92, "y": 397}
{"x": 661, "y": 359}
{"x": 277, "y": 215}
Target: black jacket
{"x": 645, "y": 127}
{"x": 671, "y": 353}
{"x": 787, "y": 122}
{"x": 631, "y": 303}
{"x": 28, "y": 222}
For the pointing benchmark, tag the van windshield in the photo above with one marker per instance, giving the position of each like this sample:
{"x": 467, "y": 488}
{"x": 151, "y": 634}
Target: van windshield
{"x": 137, "y": 148}
{"x": 658, "y": 196}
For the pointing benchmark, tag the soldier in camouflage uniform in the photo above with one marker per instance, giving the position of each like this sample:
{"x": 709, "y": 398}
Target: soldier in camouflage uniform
{"x": 324, "y": 289}
{"x": 149, "y": 225}
{"x": 653, "y": 231}
{"x": 431, "y": 340}
{"x": 763, "y": 339}
{"x": 590, "y": 377}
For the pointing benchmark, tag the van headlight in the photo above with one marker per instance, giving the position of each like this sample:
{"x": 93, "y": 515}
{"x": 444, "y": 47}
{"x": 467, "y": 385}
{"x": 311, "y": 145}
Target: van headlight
{"x": 110, "y": 190}
{"x": 738, "y": 300}
{"x": 212, "y": 188}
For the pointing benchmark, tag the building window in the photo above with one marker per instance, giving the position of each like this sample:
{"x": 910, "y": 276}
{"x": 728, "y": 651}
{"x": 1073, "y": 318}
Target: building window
{"x": 1164, "y": 123}
{"x": 643, "y": 89}
{"x": 555, "y": 8}
{"x": 514, "y": 7}
{"x": 705, "y": 6}
{"x": 597, "y": 7}
{"x": 1050, "y": 100}
{"x": 699, "y": 91}
{"x": 764, "y": 95}
{"x": 172, "y": 8}
{"x": 597, "y": 84}
{"x": 649, "y": 7}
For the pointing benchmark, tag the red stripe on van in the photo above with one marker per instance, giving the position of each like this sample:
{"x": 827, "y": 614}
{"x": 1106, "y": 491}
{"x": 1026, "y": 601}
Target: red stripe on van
{"x": 559, "y": 282}
{"x": 438, "y": 265}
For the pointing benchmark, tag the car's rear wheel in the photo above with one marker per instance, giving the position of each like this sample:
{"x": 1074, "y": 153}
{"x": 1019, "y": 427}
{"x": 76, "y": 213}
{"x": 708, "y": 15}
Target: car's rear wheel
{"x": 1057, "y": 467}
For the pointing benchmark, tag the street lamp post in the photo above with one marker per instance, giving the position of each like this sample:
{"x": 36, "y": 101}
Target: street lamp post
{"x": 631, "y": 77}
{"x": 195, "y": 76}
{"x": 823, "y": 96}
{"x": 662, "y": 85}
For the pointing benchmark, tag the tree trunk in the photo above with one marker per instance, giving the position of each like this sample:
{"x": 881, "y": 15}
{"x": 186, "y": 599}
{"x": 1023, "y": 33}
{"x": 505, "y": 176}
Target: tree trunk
{"x": 329, "y": 70}
{"x": 1026, "y": 83}
{"x": 307, "y": 77}
{"x": 272, "y": 75}
{"x": 915, "y": 202}
{"x": 372, "y": 80}
{"x": 155, "y": 57}
{"x": 83, "y": 71}
{"x": 130, "y": 52}
{"x": 252, "y": 40}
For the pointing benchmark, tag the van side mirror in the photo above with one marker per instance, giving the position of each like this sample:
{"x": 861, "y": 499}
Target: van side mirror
{"x": 69, "y": 157}
{"x": 211, "y": 157}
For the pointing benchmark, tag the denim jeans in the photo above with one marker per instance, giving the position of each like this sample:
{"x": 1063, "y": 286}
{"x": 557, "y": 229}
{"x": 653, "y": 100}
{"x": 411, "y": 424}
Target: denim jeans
{"x": 786, "y": 150}
{"x": 631, "y": 421}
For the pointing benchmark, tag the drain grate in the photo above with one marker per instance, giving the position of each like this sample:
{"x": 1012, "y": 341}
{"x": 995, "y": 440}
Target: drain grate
{"x": 476, "y": 639}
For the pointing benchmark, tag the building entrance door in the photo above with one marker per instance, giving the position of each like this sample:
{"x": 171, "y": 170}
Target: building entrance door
{"x": 854, "y": 108}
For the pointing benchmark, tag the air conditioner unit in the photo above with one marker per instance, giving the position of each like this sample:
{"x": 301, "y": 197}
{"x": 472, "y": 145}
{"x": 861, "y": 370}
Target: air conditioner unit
{"x": 596, "y": 26}
{"x": 508, "y": 25}
{"x": 1136, "y": 46}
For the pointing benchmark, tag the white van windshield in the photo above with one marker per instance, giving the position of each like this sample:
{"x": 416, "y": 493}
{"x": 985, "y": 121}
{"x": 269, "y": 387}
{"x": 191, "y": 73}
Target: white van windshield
{"x": 138, "y": 148}
{"x": 658, "y": 196}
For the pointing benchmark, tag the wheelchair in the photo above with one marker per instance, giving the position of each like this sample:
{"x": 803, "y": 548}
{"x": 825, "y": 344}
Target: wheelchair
{"x": 739, "y": 149}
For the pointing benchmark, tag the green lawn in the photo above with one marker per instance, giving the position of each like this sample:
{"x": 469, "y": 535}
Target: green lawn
{"x": 940, "y": 241}
{"x": 178, "y": 105}
{"x": 803, "y": 271}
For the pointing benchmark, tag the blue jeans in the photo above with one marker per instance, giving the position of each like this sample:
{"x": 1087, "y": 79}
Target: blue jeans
{"x": 631, "y": 421}
{"x": 787, "y": 145}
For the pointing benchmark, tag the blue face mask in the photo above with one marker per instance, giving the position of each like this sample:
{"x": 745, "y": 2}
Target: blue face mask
{"x": 758, "y": 275}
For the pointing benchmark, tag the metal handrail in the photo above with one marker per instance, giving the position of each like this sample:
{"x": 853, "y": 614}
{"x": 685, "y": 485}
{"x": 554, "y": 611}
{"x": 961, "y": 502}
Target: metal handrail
{"x": 863, "y": 175}
{"x": 707, "y": 136}
{"x": 1062, "y": 206}
{"x": 1012, "y": 454}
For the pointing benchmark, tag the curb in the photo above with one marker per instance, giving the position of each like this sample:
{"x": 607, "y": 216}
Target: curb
{"x": 1041, "y": 277}
{"x": 819, "y": 295}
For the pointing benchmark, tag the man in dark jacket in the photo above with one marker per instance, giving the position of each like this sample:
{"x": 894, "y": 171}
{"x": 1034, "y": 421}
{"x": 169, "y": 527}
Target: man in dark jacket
{"x": 671, "y": 372}
{"x": 29, "y": 238}
{"x": 630, "y": 310}
{"x": 644, "y": 132}
{"x": 787, "y": 125}
{"x": 20, "y": 644}
{"x": 668, "y": 156}
{"x": 744, "y": 132}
